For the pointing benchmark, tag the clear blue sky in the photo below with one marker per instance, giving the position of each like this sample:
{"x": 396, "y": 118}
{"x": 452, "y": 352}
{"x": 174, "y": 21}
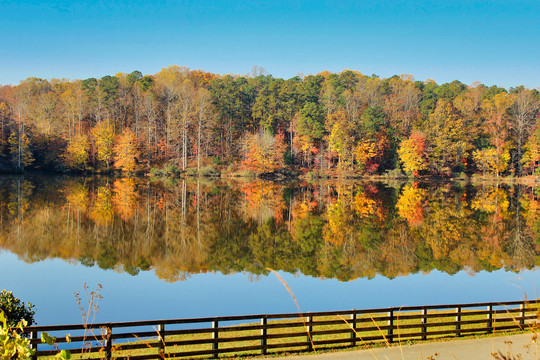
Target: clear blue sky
{"x": 495, "y": 42}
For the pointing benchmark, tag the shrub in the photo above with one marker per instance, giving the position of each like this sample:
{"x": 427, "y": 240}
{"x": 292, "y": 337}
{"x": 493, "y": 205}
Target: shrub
{"x": 312, "y": 175}
{"x": 460, "y": 176}
{"x": 169, "y": 170}
{"x": 209, "y": 171}
{"x": 12, "y": 344}
{"x": 217, "y": 161}
{"x": 15, "y": 345}
{"x": 15, "y": 310}
{"x": 191, "y": 172}
{"x": 394, "y": 173}
{"x": 245, "y": 174}
{"x": 155, "y": 172}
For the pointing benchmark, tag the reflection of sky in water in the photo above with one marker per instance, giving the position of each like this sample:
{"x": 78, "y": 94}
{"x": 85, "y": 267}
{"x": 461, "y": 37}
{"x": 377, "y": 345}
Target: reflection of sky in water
{"x": 50, "y": 285}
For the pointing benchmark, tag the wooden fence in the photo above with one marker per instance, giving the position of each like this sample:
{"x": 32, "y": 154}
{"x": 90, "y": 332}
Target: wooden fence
{"x": 262, "y": 334}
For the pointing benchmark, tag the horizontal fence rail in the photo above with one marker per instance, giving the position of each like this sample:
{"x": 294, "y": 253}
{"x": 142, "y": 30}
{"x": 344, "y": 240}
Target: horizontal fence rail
{"x": 265, "y": 333}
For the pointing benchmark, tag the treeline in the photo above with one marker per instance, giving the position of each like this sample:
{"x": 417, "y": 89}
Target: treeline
{"x": 346, "y": 122}
{"x": 332, "y": 230}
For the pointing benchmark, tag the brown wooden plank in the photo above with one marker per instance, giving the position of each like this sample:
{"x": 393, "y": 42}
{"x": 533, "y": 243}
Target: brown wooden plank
{"x": 464, "y": 313}
{"x": 94, "y": 349}
{"x": 211, "y": 341}
{"x": 287, "y": 345}
{"x": 306, "y": 314}
{"x": 73, "y": 339}
{"x": 448, "y": 306}
{"x": 432, "y": 315}
{"x": 189, "y": 331}
{"x": 140, "y": 334}
{"x": 332, "y": 332}
{"x": 240, "y": 327}
{"x": 333, "y": 322}
{"x": 130, "y": 357}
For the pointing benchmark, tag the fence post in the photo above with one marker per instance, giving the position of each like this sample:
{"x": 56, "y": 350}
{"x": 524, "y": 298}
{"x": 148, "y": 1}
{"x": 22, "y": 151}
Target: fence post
{"x": 490, "y": 319}
{"x": 458, "y": 321}
{"x": 424, "y": 322}
{"x": 353, "y": 328}
{"x": 390, "y": 336}
{"x": 108, "y": 343}
{"x": 162, "y": 338}
{"x": 522, "y": 315}
{"x": 264, "y": 335}
{"x": 215, "y": 336}
{"x": 34, "y": 336}
{"x": 309, "y": 330}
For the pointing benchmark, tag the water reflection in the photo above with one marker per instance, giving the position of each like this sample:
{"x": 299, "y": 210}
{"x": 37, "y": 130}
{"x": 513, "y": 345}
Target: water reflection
{"x": 332, "y": 230}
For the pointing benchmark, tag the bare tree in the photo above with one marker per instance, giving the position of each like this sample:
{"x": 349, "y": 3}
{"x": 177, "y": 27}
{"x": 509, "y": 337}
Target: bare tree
{"x": 184, "y": 107}
{"x": 524, "y": 118}
{"x": 149, "y": 107}
{"x": 204, "y": 115}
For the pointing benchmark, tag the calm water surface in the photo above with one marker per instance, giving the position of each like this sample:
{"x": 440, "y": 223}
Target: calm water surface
{"x": 203, "y": 248}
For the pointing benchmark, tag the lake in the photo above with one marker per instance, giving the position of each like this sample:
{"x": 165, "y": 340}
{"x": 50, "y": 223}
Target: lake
{"x": 192, "y": 248}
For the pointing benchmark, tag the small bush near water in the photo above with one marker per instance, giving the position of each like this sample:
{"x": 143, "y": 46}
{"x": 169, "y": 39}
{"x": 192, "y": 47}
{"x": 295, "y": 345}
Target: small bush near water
{"x": 209, "y": 171}
{"x": 15, "y": 315}
{"x": 168, "y": 170}
{"x": 15, "y": 310}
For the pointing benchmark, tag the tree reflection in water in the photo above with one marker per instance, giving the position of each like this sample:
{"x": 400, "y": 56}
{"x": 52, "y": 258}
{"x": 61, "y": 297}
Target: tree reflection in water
{"x": 332, "y": 230}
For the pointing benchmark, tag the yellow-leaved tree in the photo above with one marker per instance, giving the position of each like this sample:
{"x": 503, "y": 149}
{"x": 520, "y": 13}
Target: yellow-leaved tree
{"x": 102, "y": 209}
{"x": 412, "y": 154}
{"x": 531, "y": 155}
{"x": 488, "y": 160}
{"x": 497, "y": 126}
{"x": 76, "y": 155}
{"x": 126, "y": 152}
{"x": 341, "y": 138}
{"x": 20, "y": 150}
{"x": 104, "y": 139}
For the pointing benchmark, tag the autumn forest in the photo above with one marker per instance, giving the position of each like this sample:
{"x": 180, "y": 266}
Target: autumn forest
{"x": 340, "y": 123}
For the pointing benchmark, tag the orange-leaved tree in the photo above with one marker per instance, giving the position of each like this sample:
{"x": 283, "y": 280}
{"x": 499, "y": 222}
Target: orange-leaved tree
{"x": 411, "y": 204}
{"x": 125, "y": 198}
{"x": 370, "y": 152}
{"x": 263, "y": 151}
